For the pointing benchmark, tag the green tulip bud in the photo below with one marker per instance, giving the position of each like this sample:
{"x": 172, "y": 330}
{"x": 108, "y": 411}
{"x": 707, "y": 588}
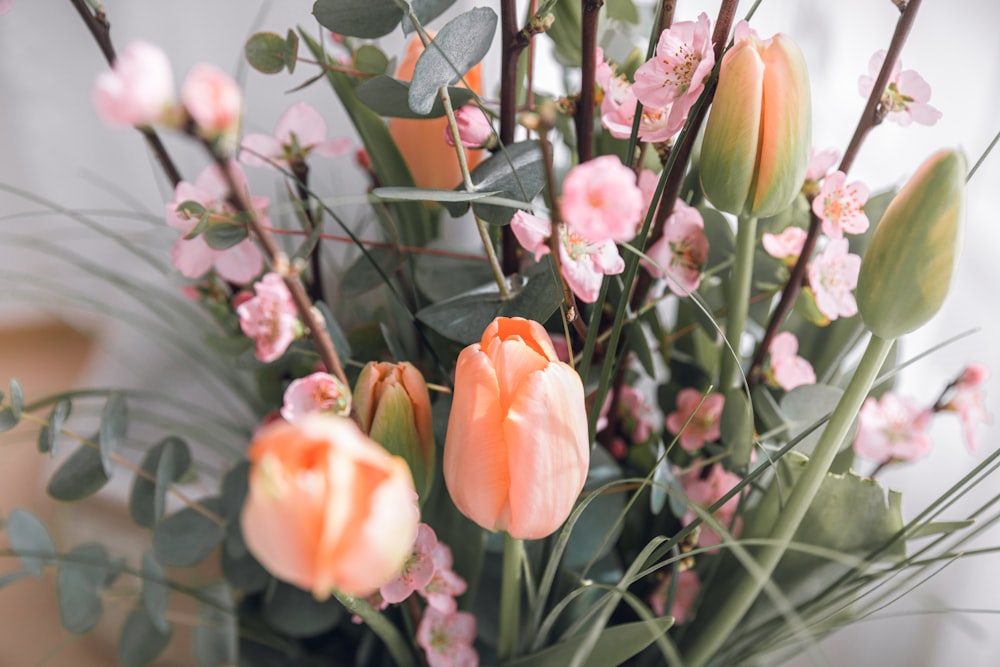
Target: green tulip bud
{"x": 908, "y": 265}
{"x": 394, "y": 409}
{"x": 757, "y": 138}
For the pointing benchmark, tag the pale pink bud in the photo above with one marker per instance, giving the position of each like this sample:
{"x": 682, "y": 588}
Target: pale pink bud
{"x": 213, "y": 100}
{"x": 474, "y": 128}
{"x": 138, "y": 90}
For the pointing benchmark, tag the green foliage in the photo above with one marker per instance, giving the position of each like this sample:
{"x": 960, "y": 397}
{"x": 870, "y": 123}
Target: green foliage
{"x": 515, "y": 172}
{"x": 114, "y": 423}
{"x": 269, "y": 53}
{"x": 216, "y": 636}
{"x": 185, "y": 538}
{"x": 359, "y": 18}
{"x": 165, "y": 463}
{"x": 598, "y": 528}
{"x": 390, "y": 97}
{"x": 29, "y": 538}
{"x": 48, "y": 435}
{"x": 141, "y": 641}
{"x": 426, "y": 11}
{"x": 81, "y": 475}
{"x": 11, "y": 414}
{"x": 369, "y": 271}
{"x": 155, "y": 595}
{"x": 614, "y": 647}
{"x": 461, "y": 44}
{"x": 83, "y": 575}
{"x": 223, "y": 234}
{"x": 370, "y": 59}
{"x": 296, "y": 613}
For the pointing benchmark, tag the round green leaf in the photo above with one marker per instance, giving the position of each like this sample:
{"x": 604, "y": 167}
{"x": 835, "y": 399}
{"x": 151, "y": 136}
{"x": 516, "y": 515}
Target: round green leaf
{"x": 185, "y": 538}
{"x": 27, "y": 535}
{"x": 79, "y": 476}
{"x": 265, "y": 52}
{"x": 79, "y": 584}
{"x": 358, "y": 18}
{"x": 165, "y": 463}
{"x": 48, "y": 435}
{"x": 296, "y": 613}
{"x": 215, "y": 638}
{"x": 390, "y": 97}
{"x": 141, "y": 641}
{"x": 154, "y": 592}
{"x": 114, "y": 422}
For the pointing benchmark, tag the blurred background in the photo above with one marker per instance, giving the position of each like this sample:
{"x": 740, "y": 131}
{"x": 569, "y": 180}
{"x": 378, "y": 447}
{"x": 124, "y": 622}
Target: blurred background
{"x": 56, "y": 156}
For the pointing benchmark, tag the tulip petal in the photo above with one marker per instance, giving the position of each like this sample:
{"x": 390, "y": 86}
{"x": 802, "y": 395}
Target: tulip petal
{"x": 475, "y": 452}
{"x": 785, "y": 128}
{"x": 548, "y": 440}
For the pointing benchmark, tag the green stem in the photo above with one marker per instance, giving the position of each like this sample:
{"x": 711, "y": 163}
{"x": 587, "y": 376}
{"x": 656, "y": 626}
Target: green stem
{"x": 714, "y": 634}
{"x": 510, "y": 598}
{"x": 739, "y": 300}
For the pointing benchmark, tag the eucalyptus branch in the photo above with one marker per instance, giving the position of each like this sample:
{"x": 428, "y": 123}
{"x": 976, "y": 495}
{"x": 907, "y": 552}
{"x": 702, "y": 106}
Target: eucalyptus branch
{"x": 872, "y": 115}
{"x": 588, "y": 67}
{"x": 100, "y": 28}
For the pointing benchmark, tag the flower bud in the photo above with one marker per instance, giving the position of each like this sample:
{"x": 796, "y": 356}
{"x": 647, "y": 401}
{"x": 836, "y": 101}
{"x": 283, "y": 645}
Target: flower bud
{"x": 908, "y": 265}
{"x": 139, "y": 89}
{"x": 757, "y": 138}
{"x": 214, "y": 102}
{"x": 517, "y": 450}
{"x": 394, "y": 409}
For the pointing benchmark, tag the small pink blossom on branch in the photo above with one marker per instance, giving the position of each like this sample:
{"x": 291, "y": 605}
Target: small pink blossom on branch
{"x": 833, "y": 274}
{"x": 706, "y": 487}
{"x": 892, "y": 429}
{"x": 688, "y": 588}
{"x": 905, "y": 98}
{"x": 417, "y": 571}
{"x": 300, "y": 132}
{"x": 270, "y": 318}
{"x": 786, "y": 246}
{"x": 704, "y": 425}
{"x": 213, "y": 100}
{"x": 447, "y": 638}
{"x": 318, "y": 392}
{"x": 968, "y": 402}
{"x": 681, "y": 252}
{"x": 601, "y": 200}
{"x": 841, "y": 207}
{"x": 139, "y": 89}
{"x": 789, "y": 369}
{"x": 820, "y": 163}
{"x": 474, "y": 128}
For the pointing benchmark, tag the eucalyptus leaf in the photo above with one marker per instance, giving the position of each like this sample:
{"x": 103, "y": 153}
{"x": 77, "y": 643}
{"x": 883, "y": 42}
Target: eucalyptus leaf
{"x": 359, "y": 18}
{"x": 369, "y": 271}
{"x": 515, "y": 172}
{"x": 235, "y": 485}
{"x": 154, "y": 592}
{"x": 216, "y": 642}
{"x": 614, "y": 647}
{"x": 141, "y": 641}
{"x": 426, "y": 11}
{"x": 597, "y": 529}
{"x": 441, "y": 278}
{"x": 29, "y": 538}
{"x": 185, "y": 538}
{"x": 461, "y": 44}
{"x": 16, "y": 398}
{"x": 428, "y": 194}
{"x": 165, "y": 463}
{"x": 296, "y": 613}
{"x": 266, "y": 52}
{"x": 803, "y": 405}
{"x": 79, "y": 585}
{"x": 224, "y": 235}
{"x": 390, "y": 97}
{"x": 79, "y": 476}
{"x": 48, "y": 435}
{"x": 8, "y": 419}
{"x": 114, "y": 423}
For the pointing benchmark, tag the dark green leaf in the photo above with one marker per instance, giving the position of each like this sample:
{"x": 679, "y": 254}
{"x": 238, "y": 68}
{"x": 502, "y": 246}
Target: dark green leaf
{"x": 48, "y": 435}
{"x": 296, "y": 613}
{"x": 215, "y": 637}
{"x": 114, "y": 422}
{"x": 515, "y": 172}
{"x": 234, "y": 490}
{"x": 165, "y": 463}
{"x": 622, "y": 10}
{"x": 587, "y": 541}
{"x": 441, "y": 278}
{"x": 7, "y": 419}
{"x": 79, "y": 585}
{"x": 242, "y": 571}
{"x": 461, "y": 44}
{"x": 340, "y": 343}
{"x": 267, "y": 52}
{"x": 426, "y": 194}
{"x": 291, "y": 50}
{"x": 390, "y": 97}
{"x": 565, "y": 33}
{"x": 141, "y": 641}
{"x": 366, "y": 272}
{"x": 737, "y": 427}
{"x": 371, "y": 60}
{"x": 616, "y": 645}
{"x": 426, "y": 11}
{"x": 186, "y": 537}
{"x": 358, "y": 18}
{"x": 221, "y": 235}
{"x": 154, "y": 592}
{"x": 79, "y": 476}
{"x": 721, "y": 242}
{"x": 27, "y": 535}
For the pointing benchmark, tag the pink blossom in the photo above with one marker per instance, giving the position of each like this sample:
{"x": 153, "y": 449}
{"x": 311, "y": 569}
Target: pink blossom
{"x": 681, "y": 252}
{"x": 637, "y": 413}
{"x": 194, "y": 257}
{"x": 583, "y": 263}
{"x": 647, "y": 182}
{"x": 213, "y": 100}
{"x": 5, "y": 6}
{"x": 417, "y": 570}
{"x": 820, "y": 163}
{"x": 704, "y": 426}
{"x": 447, "y": 638}
{"x": 603, "y": 72}
{"x": 618, "y": 113}
{"x": 787, "y": 245}
{"x": 270, "y": 318}
{"x": 893, "y": 429}
{"x": 705, "y": 487}
{"x": 441, "y": 591}
{"x": 906, "y": 96}
{"x": 840, "y": 206}
{"x": 688, "y": 588}
{"x": 968, "y": 400}
{"x": 601, "y": 201}
{"x": 832, "y": 275}
{"x": 318, "y": 392}
{"x": 300, "y": 131}
{"x": 675, "y": 76}
{"x": 474, "y": 127}
{"x": 789, "y": 369}
{"x": 139, "y": 89}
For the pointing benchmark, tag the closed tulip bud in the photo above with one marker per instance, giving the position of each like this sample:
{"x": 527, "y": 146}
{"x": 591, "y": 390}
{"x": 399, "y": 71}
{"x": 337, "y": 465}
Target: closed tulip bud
{"x": 394, "y": 409}
{"x": 327, "y": 508}
{"x": 757, "y": 138}
{"x": 907, "y": 267}
{"x": 517, "y": 450}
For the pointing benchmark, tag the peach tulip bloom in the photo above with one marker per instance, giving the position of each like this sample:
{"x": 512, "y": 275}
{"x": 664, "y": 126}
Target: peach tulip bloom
{"x": 431, "y": 161}
{"x": 517, "y": 450}
{"x": 328, "y": 508}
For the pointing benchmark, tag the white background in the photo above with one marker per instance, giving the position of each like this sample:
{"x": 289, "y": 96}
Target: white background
{"x": 50, "y": 140}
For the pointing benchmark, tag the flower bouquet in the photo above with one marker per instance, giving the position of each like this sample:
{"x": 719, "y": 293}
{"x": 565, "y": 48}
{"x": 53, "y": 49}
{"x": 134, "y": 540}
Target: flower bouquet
{"x": 641, "y": 424}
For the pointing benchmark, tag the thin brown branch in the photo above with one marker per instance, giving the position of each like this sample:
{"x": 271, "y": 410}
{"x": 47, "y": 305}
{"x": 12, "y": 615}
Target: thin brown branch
{"x": 588, "y": 72}
{"x": 512, "y": 42}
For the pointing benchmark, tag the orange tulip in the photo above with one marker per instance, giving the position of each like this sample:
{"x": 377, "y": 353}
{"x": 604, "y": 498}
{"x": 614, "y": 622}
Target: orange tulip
{"x": 431, "y": 161}
{"x": 516, "y": 454}
{"x": 327, "y": 507}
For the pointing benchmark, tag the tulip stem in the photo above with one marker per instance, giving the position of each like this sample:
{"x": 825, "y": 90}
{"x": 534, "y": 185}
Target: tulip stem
{"x": 510, "y": 598}
{"x": 713, "y": 635}
{"x": 739, "y": 300}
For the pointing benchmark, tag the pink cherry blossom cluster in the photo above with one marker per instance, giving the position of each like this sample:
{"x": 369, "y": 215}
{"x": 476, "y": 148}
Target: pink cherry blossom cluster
{"x": 270, "y": 318}
{"x": 905, "y": 97}
{"x": 680, "y": 254}
{"x": 139, "y": 91}
{"x": 895, "y": 428}
{"x": 704, "y": 487}
{"x": 445, "y": 634}
{"x": 667, "y": 85}
{"x": 317, "y": 392}
{"x": 788, "y": 369}
{"x": 705, "y": 417}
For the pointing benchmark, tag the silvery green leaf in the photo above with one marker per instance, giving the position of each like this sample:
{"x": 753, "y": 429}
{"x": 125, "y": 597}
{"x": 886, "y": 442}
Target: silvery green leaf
{"x": 79, "y": 476}
{"x": 141, "y": 641}
{"x": 29, "y": 538}
{"x": 114, "y": 422}
{"x": 358, "y": 18}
